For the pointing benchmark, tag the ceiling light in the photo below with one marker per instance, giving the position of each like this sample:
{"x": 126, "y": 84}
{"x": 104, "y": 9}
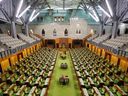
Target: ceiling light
{"x": 35, "y": 16}
{"x": 19, "y": 7}
{"x": 95, "y": 15}
{"x": 24, "y": 11}
{"x": 32, "y": 15}
{"x": 104, "y": 11}
{"x": 97, "y": 20}
{"x": 109, "y": 7}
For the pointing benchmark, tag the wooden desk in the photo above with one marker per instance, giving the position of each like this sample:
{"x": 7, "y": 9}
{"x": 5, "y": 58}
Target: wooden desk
{"x": 41, "y": 73}
{"x": 120, "y": 90}
{"x": 91, "y": 81}
{"x": 51, "y": 68}
{"x": 85, "y": 92}
{"x": 76, "y": 68}
{"x": 47, "y": 81}
{"x": 86, "y": 72}
{"x": 10, "y": 88}
{"x": 38, "y": 79}
{"x": 43, "y": 92}
{"x": 32, "y": 91}
{"x": 49, "y": 73}
{"x": 96, "y": 91}
{"x": 78, "y": 74}
{"x": 108, "y": 91}
{"x": 81, "y": 81}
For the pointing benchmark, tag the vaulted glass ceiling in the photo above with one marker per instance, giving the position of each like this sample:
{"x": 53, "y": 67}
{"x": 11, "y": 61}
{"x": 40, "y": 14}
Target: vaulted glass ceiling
{"x": 65, "y": 4}
{"x": 61, "y": 7}
{"x": 68, "y": 4}
{"x": 102, "y": 11}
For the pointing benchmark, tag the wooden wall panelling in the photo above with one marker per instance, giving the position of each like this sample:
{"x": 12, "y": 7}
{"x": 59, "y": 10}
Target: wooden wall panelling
{"x": 69, "y": 42}
{"x": 40, "y": 45}
{"x": 123, "y": 64}
{"x": 108, "y": 56}
{"x": 20, "y": 56}
{"x": 90, "y": 46}
{"x": 32, "y": 49}
{"x": 50, "y": 43}
{"x": 103, "y": 53}
{"x": 36, "y": 46}
{"x": 114, "y": 59}
{"x": 63, "y": 42}
{"x": 5, "y": 64}
{"x": 13, "y": 59}
{"x": 99, "y": 51}
{"x": 28, "y": 51}
{"x": 0, "y": 69}
{"x": 57, "y": 43}
{"x": 25, "y": 53}
{"x": 93, "y": 48}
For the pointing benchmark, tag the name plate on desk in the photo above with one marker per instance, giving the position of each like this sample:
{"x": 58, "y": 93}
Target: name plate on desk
{"x": 49, "y": 74}
{"x": 73, "y": 60}
{"x": 47, "y": 81}
{"x": 76, "y": 68}
{"x": 78, "y": 74}
{"x": 108, "y": 91}
{"x": 85, "y": 93}
{"x": 53, "y": 63}
{"x": 81, "y": 81}
{"x": 51, "y": 68}
{"x": 43, "y": 92}
{"x": 54, "y": 60}
{"x": 96, "y": 91}
{"x": 75, "y": 64}
{"x": 41, "y": 73}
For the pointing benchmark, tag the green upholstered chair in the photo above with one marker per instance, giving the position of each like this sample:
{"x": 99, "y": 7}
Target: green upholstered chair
{"x": 102, "y": 91}
{"x": 90, "y": 92}
{"x": 1, "y": 92}
{"x": 107, "y": 94}
{"x": 126, "y": 79}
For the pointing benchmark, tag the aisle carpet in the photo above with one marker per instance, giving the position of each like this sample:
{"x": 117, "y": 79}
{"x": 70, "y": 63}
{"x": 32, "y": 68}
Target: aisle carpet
{"x": 55, "y": 89}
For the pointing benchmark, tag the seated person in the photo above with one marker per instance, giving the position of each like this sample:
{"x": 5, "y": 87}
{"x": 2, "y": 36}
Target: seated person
{"x": 63, "y": 56}
{"x": 64, "y": 66}
{"x": 61, "y": 80}
{"x": 64, "y": 80}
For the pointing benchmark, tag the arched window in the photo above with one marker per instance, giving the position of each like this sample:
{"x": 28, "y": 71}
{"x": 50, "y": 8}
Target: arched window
{"x": 66, "y": 32}
{"x": 126, "y": 31}
{"x": 118, "y": 32}
{"x": 43, "y": 32}
{"x": 1, "y": 32}
{"x": 54, "y": 32}
{"x": 103, "y": 32}
{"x": 79, "y": 31}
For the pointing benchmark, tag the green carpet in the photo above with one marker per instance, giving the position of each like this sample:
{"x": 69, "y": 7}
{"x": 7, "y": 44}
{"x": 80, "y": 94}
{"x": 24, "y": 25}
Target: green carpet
{"x": 55, "y": 89}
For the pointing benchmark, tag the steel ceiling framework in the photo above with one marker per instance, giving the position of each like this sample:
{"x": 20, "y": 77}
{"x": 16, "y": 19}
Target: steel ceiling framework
{"x": 119, "y": 9}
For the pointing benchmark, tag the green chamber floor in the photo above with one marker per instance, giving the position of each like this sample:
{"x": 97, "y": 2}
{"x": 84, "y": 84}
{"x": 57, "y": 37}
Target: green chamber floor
{"x": 72, "y": 89}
